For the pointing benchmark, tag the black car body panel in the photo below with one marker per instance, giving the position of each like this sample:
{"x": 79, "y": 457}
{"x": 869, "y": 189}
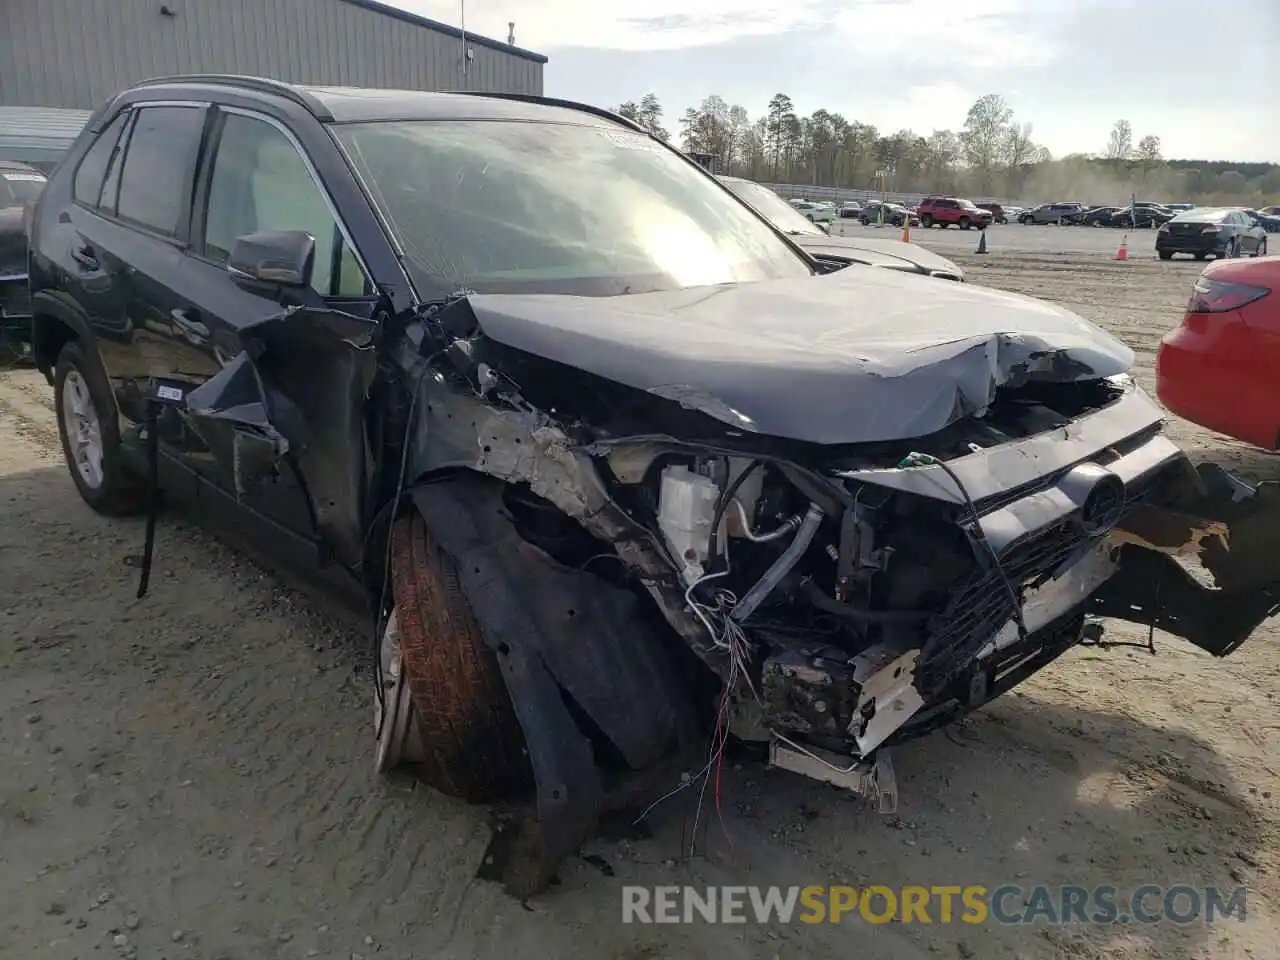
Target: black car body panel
{"x": 924, "y": 485}
{"x": 19, "y": 185}
{"x": 13, "y": 243}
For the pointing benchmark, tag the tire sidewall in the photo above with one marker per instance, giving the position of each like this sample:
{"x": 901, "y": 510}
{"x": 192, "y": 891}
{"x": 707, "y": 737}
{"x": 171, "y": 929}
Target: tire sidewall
{"x": 118, "y": 491}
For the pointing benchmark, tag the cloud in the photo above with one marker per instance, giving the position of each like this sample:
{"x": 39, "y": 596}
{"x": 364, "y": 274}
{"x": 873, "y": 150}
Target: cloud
{"x": 546, "y": 25}
{"x": 968, "y": 31}
{"x": 998, "y": 33}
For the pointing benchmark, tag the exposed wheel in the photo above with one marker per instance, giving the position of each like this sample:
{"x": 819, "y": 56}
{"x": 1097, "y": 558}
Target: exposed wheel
{"x": 1165, "y": 254}
{"x": 1201, "y": 256}
{"x": 866, "y": 221}
{"x": 964, "y": 223}
{"x": 1261, "y": 251}
{"x": 926, "y": 221}
{"x": 90, "y": 432}
{"x": 467, "y": 737}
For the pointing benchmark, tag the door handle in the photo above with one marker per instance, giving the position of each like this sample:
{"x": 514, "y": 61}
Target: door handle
{"x": 84, "y": 255}
{"x": 188, "y": 326}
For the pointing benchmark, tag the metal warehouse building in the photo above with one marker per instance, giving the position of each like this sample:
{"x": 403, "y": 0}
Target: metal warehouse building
{"x": 76, "y": 53}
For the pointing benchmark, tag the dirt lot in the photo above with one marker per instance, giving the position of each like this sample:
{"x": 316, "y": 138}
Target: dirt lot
{"x": 189, "y": 776}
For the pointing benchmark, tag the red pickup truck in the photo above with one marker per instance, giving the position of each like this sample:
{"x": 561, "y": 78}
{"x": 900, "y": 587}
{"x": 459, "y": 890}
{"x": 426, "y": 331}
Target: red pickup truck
{"x": 944, "y": 211}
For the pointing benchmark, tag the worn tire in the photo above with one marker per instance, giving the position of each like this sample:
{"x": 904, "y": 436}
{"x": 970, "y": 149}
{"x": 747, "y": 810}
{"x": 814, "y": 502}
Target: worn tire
{"x": 471, "y": 739}
{"x": 122, "y": 492}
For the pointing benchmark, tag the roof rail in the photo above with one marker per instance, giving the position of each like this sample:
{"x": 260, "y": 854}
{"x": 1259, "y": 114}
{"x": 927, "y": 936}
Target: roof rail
{"x": 260, "y": 84}
{"x": 557, "y": 102}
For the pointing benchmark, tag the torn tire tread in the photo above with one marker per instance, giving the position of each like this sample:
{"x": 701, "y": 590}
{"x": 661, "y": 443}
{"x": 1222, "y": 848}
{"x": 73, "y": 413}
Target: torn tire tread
{"x": 472, "y": 741}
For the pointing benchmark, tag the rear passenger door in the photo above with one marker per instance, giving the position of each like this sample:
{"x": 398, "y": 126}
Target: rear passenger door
{"x": 128, "y": 245}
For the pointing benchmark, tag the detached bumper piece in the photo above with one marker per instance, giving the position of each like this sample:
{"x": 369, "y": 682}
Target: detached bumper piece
{"x": 1215, "y": 521}
{"x": 873, "y": 779}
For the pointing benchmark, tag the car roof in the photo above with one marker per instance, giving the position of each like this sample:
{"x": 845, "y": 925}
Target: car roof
{"x": 336, "y": 104}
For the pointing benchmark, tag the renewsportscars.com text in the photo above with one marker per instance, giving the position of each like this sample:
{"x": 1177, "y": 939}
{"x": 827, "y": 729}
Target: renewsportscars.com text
{"x": 973, "y": 904}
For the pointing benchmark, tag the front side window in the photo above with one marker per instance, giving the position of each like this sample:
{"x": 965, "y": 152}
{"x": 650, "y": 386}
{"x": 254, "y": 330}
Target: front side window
{"x": 87, "y": 187}
{"x": 501, "y": 206}
{"x": 159, "y": 165}
{"x": 260, "y": 182}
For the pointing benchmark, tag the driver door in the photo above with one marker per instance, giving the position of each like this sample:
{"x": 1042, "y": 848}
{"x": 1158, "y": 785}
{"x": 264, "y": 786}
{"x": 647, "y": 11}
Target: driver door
{"x": 256, "y": 178}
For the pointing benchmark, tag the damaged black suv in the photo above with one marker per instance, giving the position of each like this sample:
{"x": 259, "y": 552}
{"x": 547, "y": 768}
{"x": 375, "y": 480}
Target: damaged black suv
{"x": 566, "y": 416}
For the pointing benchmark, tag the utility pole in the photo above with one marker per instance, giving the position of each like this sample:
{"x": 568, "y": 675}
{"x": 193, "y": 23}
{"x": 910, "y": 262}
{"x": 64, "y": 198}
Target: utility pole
{"x": 462, "y": 15}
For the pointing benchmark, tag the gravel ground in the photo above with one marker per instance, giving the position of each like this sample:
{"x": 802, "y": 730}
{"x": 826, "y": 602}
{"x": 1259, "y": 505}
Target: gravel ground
{"x": 189, "y": 776}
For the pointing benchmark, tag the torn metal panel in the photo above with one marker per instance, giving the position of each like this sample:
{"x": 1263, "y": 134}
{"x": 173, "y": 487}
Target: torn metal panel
{"x": 297, "y": 391}
{"x": 460, "y": 430}
{"x": 230, "y": 414}
{"x": 844, "y": 358}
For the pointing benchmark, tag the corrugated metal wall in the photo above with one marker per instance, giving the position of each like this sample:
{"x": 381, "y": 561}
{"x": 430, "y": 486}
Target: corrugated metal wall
{"x": 76, "y": 53}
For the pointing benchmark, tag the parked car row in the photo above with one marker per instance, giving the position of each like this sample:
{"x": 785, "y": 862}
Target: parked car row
{"x": 814, "y": 239}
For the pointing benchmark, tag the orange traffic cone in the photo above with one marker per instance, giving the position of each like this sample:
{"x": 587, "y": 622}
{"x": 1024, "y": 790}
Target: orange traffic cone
{"x": 906, "y": 228}
{"x": 1123, "y": 252}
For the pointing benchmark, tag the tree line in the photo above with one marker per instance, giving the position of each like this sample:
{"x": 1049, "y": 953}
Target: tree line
{"x": 993, "y": 155}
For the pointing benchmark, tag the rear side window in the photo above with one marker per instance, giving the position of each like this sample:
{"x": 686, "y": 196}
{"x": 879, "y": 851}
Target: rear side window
{"x": 159, "y": 167}
{"x": 93, "y": 166}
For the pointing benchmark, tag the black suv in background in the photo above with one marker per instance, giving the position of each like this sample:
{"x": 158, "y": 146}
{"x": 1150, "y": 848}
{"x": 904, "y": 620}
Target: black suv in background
{"x": 598, "y": 447}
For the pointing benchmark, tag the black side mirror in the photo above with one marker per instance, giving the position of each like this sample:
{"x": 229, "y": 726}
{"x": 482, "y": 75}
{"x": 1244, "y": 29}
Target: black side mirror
{"x": 282, "y": 257}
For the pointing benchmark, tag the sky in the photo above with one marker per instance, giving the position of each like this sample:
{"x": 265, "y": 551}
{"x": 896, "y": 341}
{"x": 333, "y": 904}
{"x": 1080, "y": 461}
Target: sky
{"x": 1203, "y": 77}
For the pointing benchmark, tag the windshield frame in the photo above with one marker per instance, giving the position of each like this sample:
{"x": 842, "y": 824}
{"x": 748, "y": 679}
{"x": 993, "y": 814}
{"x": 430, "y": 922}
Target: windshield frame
{"x": 428, "y": 289}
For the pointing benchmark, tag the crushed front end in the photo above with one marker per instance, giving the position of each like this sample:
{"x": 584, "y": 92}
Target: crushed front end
{"x": 849, "y": 596}
{"x": 876, "y": 603}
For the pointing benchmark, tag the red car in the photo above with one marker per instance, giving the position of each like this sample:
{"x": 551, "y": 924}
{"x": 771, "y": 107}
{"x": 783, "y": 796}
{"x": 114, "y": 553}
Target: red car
{"x": 1221, "y": 366}
{"x": 943, "y": 211}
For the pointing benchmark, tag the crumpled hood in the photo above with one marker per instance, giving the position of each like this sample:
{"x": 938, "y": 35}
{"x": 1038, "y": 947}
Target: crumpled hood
{"x": 850, "y": 357}
{"x": 878, "y": 253}
{"x": 13, "y": 242}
